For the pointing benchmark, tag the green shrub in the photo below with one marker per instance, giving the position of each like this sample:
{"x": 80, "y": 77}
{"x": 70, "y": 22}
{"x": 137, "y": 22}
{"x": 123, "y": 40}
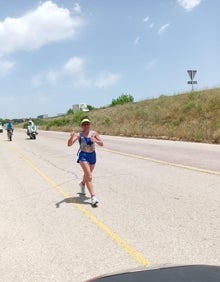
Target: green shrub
{"x": 123, "y": 99}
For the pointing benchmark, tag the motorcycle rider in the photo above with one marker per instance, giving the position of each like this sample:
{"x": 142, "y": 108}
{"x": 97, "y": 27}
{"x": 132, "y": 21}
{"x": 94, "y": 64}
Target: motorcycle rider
{"x": 31, "y": 127}
{"x": 9, "y": 127}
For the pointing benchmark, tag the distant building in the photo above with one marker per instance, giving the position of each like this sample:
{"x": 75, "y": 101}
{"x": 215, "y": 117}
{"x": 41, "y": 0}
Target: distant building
{"x": 43, "y": 116}
{"x": 80, "y": 107}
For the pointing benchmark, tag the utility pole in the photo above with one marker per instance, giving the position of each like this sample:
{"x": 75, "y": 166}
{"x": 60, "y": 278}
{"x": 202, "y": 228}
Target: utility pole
{"x": 192, "y": 74}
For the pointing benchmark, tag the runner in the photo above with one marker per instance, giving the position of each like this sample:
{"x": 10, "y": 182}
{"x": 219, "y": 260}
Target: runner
{"x": 87, "y": 155}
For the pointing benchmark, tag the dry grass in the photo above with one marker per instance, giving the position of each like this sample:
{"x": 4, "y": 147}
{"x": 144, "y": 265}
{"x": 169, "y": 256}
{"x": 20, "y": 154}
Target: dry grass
{"x": 193, "y": 116}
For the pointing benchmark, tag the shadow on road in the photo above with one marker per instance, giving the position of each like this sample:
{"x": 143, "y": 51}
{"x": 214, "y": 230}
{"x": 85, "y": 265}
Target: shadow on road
{"x": 81, "y": 199}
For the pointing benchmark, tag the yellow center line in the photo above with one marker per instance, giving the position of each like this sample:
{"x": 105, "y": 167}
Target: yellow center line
{"x": 163, "y": 162}
{"x": 131, "y": 251}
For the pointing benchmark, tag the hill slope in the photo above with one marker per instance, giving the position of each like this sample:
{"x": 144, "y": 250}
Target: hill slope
{"x": 193, "y": 116}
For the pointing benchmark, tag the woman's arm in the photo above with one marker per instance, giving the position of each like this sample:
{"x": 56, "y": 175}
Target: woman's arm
{"x": 97, "y": 139}
{"x": 73, "y": 137}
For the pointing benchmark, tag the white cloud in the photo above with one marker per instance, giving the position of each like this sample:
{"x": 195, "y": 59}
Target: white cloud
{"x": 146, "y": 19}
{"x": 5, "y": 67}
{"x": 163, "y": 28}
{"x": 105, "y": 80}
{"x": 75, "y": 65}
{"x": 137, "y": 41}
{"x": 77, "y": 8}
{"x": 82, "y": 81}
{"x": 47, "y": 23}
{"x": 189, "y": 4}
{"x": 52, "y": 76}
{"x": 74, "y": 71}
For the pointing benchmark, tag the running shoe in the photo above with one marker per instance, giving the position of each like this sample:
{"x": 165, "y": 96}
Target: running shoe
{"x": 83, "y": 188}
{"x": 94, "y": 201}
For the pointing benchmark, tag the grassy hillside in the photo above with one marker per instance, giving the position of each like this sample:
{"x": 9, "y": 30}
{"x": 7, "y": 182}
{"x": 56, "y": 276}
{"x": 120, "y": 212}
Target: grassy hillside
{"x": 193, "y": 116}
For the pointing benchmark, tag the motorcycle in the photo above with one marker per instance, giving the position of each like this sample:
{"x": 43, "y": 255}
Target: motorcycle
{"x": 10, "y": 133}
{"x": 32, "y": 131}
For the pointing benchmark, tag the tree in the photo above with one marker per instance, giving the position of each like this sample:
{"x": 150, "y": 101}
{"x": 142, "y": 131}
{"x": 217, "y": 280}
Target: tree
{"x": 70, "y": 112}
{"x": 123, "y": 99}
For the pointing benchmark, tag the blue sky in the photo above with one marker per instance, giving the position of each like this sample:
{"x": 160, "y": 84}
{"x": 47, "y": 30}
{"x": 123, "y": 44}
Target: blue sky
{"x": 57, "y": 53}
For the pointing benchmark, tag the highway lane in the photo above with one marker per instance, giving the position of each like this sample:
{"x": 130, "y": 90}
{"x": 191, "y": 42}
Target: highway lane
{"x": 159, "y": 203}
{"x": 198, "y": 155}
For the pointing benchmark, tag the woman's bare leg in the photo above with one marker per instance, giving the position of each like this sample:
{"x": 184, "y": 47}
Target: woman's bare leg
{"x": 87, "y": 177}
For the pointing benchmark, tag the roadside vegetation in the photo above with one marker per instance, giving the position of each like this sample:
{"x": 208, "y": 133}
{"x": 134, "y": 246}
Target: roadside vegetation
{"x": 193, "y": 116}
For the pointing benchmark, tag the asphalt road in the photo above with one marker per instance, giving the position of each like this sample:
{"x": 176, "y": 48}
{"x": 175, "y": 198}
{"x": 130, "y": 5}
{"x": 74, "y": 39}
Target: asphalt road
{"x": 159, "y": 204}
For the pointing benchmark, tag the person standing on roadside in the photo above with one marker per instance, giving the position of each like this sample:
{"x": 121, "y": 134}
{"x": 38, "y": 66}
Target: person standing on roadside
{"x": 87, "y": 139}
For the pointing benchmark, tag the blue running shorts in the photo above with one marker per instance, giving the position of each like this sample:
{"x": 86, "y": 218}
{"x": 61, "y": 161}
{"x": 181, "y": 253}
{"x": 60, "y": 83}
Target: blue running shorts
{"x": 89, "y": 157}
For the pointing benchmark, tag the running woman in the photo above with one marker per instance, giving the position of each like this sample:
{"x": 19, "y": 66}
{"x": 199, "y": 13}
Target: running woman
{"x": 87, "y": 139}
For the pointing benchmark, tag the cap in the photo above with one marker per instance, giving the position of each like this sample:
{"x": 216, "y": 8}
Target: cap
{"x": 85, "y": 120}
